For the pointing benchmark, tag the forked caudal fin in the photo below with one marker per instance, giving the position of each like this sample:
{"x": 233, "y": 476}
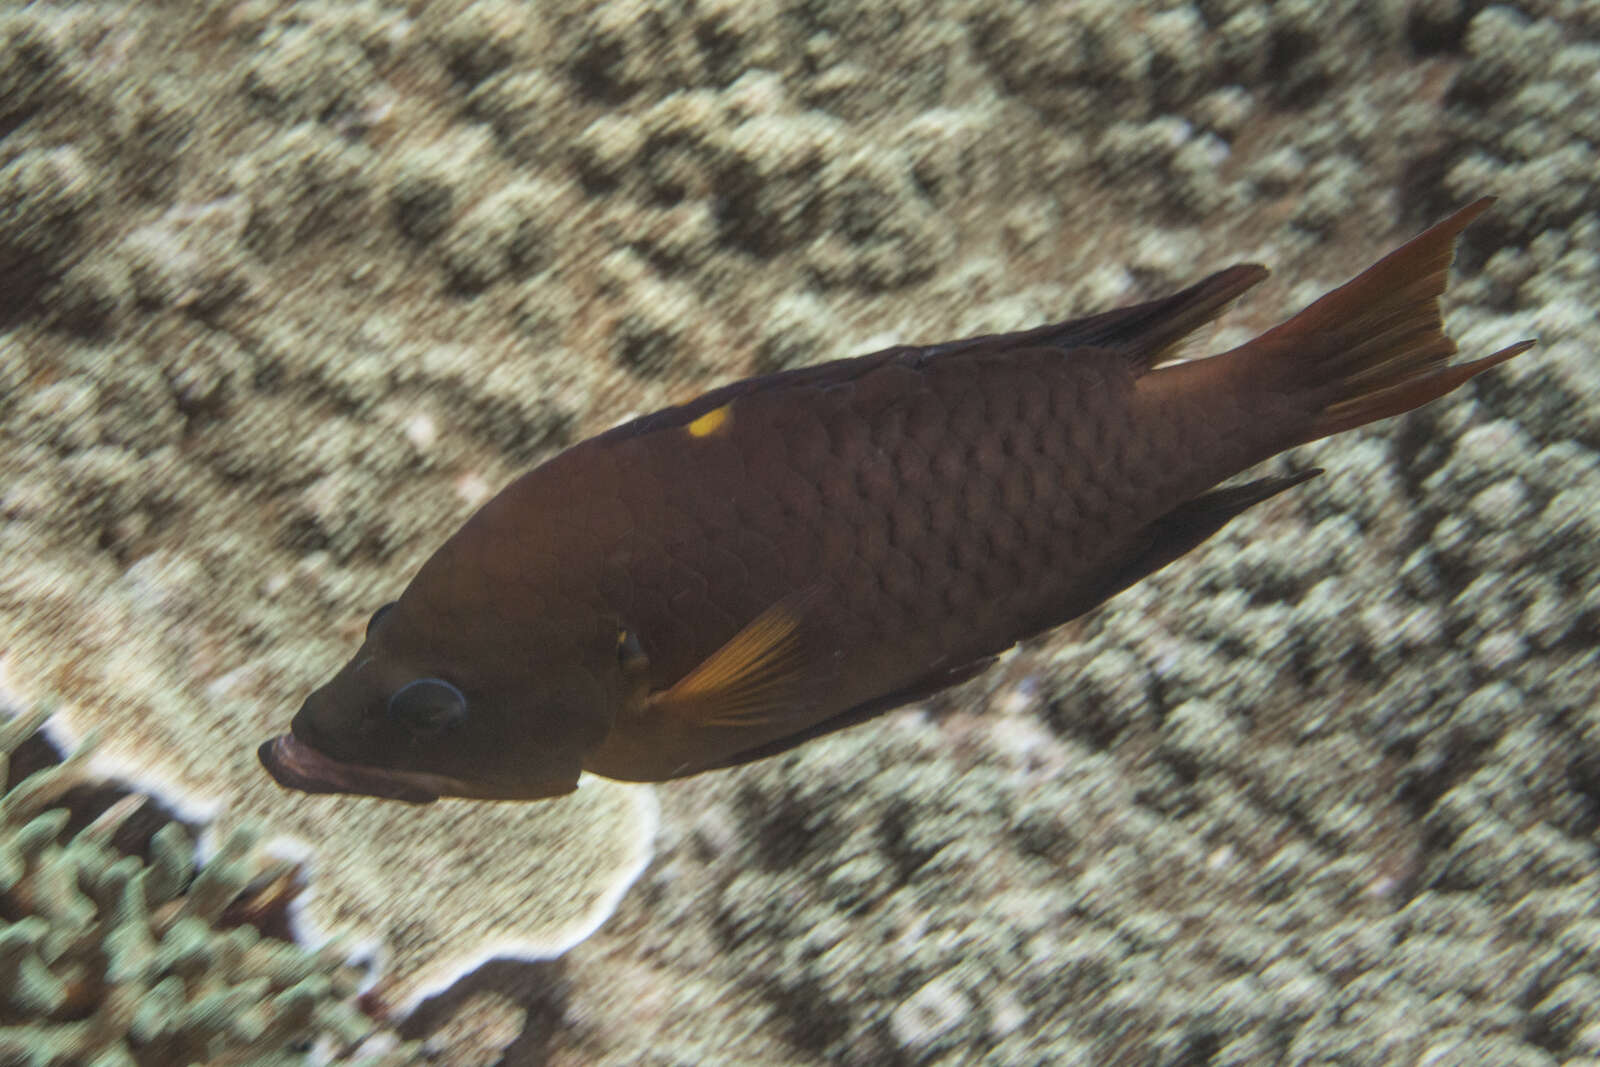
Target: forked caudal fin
{"x": 1375, "y": 346}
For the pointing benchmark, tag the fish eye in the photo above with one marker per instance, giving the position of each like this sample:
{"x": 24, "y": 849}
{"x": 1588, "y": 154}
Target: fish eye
{"x": 377, "y": 615}
{"x": 428, "y": 706}
{"x": 630, "y": 653}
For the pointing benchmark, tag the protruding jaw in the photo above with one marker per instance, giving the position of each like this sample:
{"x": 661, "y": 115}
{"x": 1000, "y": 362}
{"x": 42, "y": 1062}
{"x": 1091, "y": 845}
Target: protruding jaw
{"x": 296, "y": 765}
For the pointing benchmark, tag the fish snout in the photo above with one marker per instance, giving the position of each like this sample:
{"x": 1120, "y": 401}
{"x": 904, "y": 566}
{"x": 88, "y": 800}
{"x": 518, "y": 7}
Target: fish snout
{"x": 294, "y": 764}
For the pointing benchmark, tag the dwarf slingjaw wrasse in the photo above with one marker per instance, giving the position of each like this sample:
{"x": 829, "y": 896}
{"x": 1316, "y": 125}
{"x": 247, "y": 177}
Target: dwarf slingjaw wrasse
{"x": 788, "y": 555}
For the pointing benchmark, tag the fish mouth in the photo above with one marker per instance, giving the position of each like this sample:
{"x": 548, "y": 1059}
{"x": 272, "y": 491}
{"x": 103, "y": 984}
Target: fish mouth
{"x": 296, "y": 765}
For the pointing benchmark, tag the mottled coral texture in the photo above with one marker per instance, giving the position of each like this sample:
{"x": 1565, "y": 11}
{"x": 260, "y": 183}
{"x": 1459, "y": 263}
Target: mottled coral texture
{"x": 118, "y": 949}
{"x": 286, "y": 288}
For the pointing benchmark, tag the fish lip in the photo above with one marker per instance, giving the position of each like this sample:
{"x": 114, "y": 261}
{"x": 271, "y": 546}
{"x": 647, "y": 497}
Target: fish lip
{"x": 296, "y": 765}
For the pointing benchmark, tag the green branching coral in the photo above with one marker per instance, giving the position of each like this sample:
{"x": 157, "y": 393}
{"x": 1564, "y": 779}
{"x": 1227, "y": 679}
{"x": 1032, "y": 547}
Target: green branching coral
{"x": 113, "y": 960}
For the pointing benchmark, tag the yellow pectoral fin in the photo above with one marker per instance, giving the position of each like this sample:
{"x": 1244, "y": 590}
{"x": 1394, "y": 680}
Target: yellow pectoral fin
{"x": 765, "y": 675}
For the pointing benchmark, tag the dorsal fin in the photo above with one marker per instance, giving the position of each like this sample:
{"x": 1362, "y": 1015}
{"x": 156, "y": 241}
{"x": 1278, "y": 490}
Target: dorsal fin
{"x": 1145, "y": 334}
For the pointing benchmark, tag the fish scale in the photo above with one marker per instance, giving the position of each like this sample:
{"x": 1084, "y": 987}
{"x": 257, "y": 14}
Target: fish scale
{"x": 788, "y": 555}
{"x": 891, "y": 580}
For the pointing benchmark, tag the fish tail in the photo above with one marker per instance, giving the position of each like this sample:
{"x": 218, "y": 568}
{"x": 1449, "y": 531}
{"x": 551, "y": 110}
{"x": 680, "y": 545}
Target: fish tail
{"x": 1375, "y": 346}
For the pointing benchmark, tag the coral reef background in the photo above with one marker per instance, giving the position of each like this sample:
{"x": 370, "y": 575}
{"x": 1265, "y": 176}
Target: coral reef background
{"x": 287, "y": 288}
{"x": 117, "y": 950}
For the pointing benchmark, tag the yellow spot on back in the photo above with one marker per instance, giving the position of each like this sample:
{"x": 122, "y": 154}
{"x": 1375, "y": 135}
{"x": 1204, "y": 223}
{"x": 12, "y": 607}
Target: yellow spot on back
{"x": 710, "y": 422}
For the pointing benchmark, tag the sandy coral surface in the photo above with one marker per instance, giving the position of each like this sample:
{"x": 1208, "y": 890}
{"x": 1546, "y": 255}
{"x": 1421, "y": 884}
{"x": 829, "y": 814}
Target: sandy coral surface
{"x": 287, "y": 288}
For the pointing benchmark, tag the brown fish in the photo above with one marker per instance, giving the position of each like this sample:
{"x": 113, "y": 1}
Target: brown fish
{"x": 792, "y": 554}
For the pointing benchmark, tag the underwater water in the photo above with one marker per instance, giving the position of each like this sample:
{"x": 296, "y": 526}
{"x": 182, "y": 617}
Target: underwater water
{"x": 287, "y": 290}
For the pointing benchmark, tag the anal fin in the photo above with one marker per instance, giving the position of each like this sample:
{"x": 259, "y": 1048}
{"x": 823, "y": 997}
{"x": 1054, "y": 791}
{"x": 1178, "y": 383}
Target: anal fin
{"x": 1185, "y": 527}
